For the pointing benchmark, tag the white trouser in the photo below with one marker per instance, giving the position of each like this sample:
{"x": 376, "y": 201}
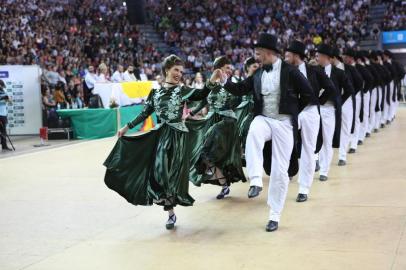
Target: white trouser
{"x": 263, "y": 129}
{"x": 392, "y": 109}
{"x": 386, "y": 109}
{"x": 378, "y": 114}
{"x": 309, "y": 123}
{"x": 365, "y": 120}
{"x": 346, "y": 123}
{"x": 372, "y": 112}
{"x": 328, "y": 120}
{"x": 354, "y": 136}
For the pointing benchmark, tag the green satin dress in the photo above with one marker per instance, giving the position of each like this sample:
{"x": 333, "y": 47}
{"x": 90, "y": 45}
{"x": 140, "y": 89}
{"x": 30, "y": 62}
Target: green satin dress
{"x": 154, "y": 167}
{"x": 216, "y": 139}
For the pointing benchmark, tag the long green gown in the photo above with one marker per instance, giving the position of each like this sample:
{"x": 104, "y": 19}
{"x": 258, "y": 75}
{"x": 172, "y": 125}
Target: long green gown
{"x": 216, "y": 139}
{"x": 154, "y": 167}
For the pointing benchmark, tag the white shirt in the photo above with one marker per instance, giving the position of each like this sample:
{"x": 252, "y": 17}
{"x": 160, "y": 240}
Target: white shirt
{"x": 340, "y": 65}
{"x": 271, "y": 90}
{"x": 129, "y": 77}
{"x": 327, "y": 69}
{"x": 90, "y": 80}
{"x": 302, "y": 68}
{"x": 101, "y": 78}
{"x": 117, "y": 77}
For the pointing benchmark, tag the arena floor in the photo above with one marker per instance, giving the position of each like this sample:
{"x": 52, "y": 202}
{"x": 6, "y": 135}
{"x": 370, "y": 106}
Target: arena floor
{"x": 56, "y": 213}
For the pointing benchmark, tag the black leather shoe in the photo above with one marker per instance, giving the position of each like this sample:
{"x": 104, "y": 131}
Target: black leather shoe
{"x": 368, "y": 135}
{"x": 360, "y": 143}
{"x": 317, "y": 166}
{"x": 271, "y": 226}
{"x": 342, "y": 162}
{"x": 352, "y": 151}
{"x": 376, "y": 130}
{"x": 388, "y": 122}
{"x": 7, "y": 149}
{"x": 301, "y": 197}
{"x": 323, "y": 178}
{"x": 382, "y": 125}
{"x": 254, "y": 191}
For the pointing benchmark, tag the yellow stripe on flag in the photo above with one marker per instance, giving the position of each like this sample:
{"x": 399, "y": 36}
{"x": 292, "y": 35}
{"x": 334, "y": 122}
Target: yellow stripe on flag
{"x": 148, "y": 124}
{"x": 137, "y": 89}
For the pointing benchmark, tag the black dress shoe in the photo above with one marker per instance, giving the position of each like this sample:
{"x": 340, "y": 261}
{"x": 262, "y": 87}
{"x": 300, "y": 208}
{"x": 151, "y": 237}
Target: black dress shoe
{"x": 388, "y": 122}
{"x": 301, "y": 197}
{"x": 271, "y": 226}
{"x": 376, "y": 130}
{"x": 368, "y": 135}
{"x": 317, "y": 166}
{"x": 323, "y": 178}
{"x": 254, "y": 191}
{"x": 342, "y": 162}
{"x": 7, "y": 149}
{"x": 352, "y": 151}
{"x": 382, "y": 125}
{"x": 360, "y": 142}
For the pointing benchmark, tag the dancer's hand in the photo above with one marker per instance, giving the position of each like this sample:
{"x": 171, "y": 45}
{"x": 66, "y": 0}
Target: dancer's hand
{"x": 252, "y": 71}
{"x": 122, "y": 131}
{"x": 217, "y": 74}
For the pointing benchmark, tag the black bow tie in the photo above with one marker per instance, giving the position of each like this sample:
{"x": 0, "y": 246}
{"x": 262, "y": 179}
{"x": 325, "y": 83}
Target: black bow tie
{"x": 267, "y": 68}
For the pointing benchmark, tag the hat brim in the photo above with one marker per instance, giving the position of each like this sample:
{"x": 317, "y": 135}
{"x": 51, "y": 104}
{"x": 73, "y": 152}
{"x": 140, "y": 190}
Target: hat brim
{"x": 296, "y": 52}
{"x": 266, "y": 46}
{"x": 325, "y": 53}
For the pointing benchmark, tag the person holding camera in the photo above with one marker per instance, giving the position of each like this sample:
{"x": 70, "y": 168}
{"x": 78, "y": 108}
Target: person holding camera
{"x": 4, "y": 99}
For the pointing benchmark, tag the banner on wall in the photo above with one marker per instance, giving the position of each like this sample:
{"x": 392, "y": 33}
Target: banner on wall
{"x": 394, "y": 37}
{"x": 125, "y": 93}
{"x": 23, "y": 85}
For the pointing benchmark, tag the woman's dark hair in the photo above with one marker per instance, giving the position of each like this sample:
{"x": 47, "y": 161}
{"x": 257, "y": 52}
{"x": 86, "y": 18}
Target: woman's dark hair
{"x": 248, "y": 62}
{"x": 171, "y": 61}
{"x": 221, "y": 61}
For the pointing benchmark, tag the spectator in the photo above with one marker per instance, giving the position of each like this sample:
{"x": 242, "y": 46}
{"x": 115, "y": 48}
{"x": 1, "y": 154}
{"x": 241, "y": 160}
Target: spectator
{"x": 88, "y": 85}
{"x": 129, "y": 74}
{"x": 103, "y": 73}
{"x": 118, "y": 75}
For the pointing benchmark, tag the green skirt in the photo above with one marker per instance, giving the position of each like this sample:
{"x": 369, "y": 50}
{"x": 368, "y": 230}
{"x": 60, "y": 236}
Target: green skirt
{"x": 215, "y": 140}
{"x": 151, "y": 168}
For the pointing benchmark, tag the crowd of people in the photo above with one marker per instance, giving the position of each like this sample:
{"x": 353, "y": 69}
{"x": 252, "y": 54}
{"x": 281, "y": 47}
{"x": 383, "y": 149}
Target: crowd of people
{"x": 203, "y": 30}
{"x": 395, "y": 16}
{"x": 67, "y": 38}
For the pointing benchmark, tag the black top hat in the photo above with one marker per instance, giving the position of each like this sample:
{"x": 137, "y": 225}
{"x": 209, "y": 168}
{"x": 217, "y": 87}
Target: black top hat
{"x": 373, "y": 55}
{"x": 358, "y": 55}
{"x": 297, "y": 47}
{"x": 388, "y": 53}
{"x": 325, "y": 49}
{"x": 267, "y": 41}
{"x": 349, "y": 52}
{"x": 336, "y": 52}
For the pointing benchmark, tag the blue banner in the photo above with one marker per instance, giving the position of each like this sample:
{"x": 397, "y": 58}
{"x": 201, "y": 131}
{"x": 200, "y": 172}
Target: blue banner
{"x": 394, "y": 37}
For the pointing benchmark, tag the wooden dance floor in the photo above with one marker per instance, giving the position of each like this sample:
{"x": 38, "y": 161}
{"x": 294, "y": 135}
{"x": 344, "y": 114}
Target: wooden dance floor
{"x": 56, "y": 214}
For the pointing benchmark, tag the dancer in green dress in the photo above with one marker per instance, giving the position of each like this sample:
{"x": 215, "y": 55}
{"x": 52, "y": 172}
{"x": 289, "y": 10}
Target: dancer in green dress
{"x": 154, "y": 167}
{"x": 216, "y": 157}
